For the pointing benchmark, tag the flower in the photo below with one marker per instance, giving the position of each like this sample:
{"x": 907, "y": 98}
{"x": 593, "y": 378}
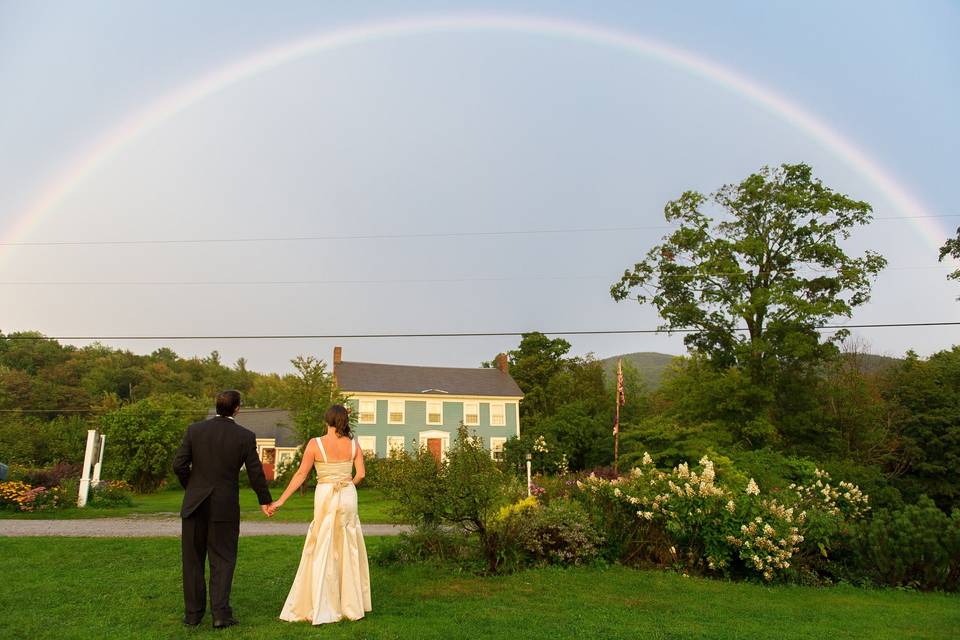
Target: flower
{"x": 646, "y": 458}
{"x": 731, "y": 507}
{"x": 752, "y": 488}
{"x": 517, "y": 508}
{"x": 540, "y": 445}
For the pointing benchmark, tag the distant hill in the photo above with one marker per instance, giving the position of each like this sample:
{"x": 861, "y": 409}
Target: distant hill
{"x": 650, "y": 365}
{"x": 653, "y": 365}
{"x": 870, "y": 363}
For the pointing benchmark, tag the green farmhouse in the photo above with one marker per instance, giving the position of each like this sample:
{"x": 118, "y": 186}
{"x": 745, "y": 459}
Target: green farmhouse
{"x": 406, "y": 407}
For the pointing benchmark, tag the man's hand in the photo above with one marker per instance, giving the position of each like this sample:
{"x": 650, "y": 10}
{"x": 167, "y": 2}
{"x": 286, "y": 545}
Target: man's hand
{"x": 267, "y": 510}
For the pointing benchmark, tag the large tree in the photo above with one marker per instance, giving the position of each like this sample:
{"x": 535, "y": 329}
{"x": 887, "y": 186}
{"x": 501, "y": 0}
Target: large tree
{"x": 534, "y": 364}
{"x": 771, "y": 262}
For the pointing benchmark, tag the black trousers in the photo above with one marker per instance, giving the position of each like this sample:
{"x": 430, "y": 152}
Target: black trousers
{"x": 203, "y": 538}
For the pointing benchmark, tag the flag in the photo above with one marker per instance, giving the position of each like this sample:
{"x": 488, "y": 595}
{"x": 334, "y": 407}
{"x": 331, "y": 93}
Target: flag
{"x": 621, "y": 398}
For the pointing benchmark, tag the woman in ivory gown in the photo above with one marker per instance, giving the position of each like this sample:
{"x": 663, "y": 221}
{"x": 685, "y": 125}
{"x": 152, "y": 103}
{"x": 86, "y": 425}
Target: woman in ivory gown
{"x": 333, "y": 580}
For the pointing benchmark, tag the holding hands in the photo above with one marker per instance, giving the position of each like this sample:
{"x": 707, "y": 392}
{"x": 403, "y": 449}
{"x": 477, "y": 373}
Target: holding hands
{"x": 270, "y": 509}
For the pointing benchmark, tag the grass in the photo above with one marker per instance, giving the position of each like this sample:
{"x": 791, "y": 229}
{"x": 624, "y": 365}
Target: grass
{"x": 374, "y": 507}
{"x": 122, "y": 588}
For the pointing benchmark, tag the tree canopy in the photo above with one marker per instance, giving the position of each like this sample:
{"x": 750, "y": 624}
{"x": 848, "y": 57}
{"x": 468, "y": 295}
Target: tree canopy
{"x": 764, "y": 254}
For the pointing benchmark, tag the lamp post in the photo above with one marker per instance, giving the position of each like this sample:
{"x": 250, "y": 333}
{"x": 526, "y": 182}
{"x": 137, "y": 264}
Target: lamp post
{"x": 529, "y": 463}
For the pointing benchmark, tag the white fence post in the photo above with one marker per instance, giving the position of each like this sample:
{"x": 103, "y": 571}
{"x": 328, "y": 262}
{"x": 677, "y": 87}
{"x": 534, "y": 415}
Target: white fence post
{"x": 96, "y": 467}
{"x": 87, "y": 463}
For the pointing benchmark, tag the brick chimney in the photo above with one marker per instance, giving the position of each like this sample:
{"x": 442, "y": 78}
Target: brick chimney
{"x": 337, "y": 355}
{"x": 502, "y": 363}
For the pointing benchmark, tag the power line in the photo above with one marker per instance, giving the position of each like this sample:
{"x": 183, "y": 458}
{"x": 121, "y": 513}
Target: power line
{"x": 465, "y": 334}
{"x": 98, "y": 409}
{"x": 261, "y": 283}
{"x": 368, "y": 236}
{"x": 380, "y": 236}
{"x": 296, "y": 282}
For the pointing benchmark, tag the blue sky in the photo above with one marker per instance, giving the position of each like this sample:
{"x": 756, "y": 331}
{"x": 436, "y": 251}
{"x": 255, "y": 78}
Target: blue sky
{"x": 444, "y": 132}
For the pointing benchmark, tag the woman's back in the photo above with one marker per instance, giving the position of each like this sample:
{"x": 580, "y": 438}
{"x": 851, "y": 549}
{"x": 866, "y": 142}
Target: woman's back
{"x": 337, "y": 448}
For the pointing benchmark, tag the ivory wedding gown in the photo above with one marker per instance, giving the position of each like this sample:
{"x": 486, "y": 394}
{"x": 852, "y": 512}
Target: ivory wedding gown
{"x": 333, "y": 580}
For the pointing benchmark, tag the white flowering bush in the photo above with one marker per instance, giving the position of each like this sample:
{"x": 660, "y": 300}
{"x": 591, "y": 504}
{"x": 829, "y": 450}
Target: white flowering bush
{"x": 830, "y": 512}
{"x": 687, "y": 519}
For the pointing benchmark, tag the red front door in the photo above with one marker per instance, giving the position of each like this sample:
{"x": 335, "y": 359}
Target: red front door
{"x": 268, "y": 459}
{"x": 435, "y": 446}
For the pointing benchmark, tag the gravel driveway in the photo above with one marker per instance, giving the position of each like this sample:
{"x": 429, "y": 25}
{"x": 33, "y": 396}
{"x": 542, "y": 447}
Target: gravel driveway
{"x": 163, "y": 527}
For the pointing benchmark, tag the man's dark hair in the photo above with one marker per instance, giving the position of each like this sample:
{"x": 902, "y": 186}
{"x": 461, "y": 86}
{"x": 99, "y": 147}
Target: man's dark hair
{"x": 228, "y": 402}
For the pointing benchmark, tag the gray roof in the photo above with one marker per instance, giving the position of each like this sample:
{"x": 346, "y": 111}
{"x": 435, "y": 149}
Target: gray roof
{"x": 270, "y": 423}
{"x": 368, "y": 377}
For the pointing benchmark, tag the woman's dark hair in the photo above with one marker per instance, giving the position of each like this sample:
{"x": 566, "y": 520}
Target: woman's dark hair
{"x": 338, "y": 417}
{"x": 228, "y": 402}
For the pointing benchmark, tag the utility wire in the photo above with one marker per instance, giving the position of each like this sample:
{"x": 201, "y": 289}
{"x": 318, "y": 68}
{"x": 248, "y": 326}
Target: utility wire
{"x": 465, "y": 334}
{"x": 218, "y": 283}
{"x": 96, "y": 410}
{"x": 380, "y": 236}
{"x": 369, "y": 236}
{"x": 296, "y": 282}
{"x": 265, "y": 283}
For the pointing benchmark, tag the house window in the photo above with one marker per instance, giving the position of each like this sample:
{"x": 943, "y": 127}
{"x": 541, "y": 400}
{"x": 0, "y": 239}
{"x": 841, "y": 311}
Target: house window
{"x": 394, "y": 444}
{"x": 434, "y": 412}
{"x": 368, "y": 412}
{"x": 498, "y": 415}
{"x": 496, "y": 448}
{"x": 368, "y": 444}
{"x": 471, "y": 413}
{"x": 395, "y": 410}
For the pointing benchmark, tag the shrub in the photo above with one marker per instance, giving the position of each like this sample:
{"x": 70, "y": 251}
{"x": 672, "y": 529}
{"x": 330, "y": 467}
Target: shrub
{"x": 19, "y": 496}
{"x": 687, "y": 519}
{"x": 143, "y": 437}
{"x": 33, "y": 442}
{"x": 53, "y": 476}
{"x": 13, "y": 494}
{"x": 464, "y": 491}
{"x": 772, "y": 469}
{"x": 430, "y": 544}
{"x": 110, "y": 494}
{"x": 916, "y": 546}
{"x": 830, "y": 512}
{"x": 558, "y": 533}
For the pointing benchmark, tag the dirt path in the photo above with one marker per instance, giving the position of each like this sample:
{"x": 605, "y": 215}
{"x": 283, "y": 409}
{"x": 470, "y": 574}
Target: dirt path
{"x": 163, "y": 527}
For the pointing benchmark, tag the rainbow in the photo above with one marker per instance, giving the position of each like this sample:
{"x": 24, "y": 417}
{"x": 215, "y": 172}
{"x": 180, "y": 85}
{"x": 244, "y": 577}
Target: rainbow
{"x": 134, "y": 126}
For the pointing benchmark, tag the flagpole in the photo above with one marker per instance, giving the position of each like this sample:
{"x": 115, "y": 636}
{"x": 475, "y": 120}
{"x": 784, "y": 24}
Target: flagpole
{"x": 616, "y": 437}
{"x": 616, "y": 421}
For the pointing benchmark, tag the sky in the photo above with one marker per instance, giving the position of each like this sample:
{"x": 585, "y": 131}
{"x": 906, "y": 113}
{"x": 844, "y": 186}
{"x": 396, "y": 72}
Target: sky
{"x": 447, "y": 145}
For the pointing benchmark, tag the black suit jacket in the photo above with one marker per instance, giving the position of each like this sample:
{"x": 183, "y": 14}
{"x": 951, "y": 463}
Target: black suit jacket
{"x": 208, "y": 465}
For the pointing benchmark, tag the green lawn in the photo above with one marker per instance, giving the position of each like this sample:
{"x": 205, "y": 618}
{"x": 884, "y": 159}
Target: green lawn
{"x": 123, "y": 588}
{"x": 374, "y": 507}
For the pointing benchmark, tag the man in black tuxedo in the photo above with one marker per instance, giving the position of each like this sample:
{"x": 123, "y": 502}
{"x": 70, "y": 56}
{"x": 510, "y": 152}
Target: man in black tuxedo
{"x": 208, "y": 465}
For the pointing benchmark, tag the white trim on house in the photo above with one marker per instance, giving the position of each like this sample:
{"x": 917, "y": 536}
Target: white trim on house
{"x": 496, "y": 446}
{"x": 396, "y": 406}
{"x": 285, "y": 455}
{"x": 367, "y": 444}
{"x": 395, "y": 443}
{"x": 437, "y": 411}
{"x": 516, "y": 411}
{"x": 502, "y": 414}
{"x": 444, "y": 436}
{"x": 383, "y": 395}
{"x": 368, "y": 411}
{"x": 476, "y": 413}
